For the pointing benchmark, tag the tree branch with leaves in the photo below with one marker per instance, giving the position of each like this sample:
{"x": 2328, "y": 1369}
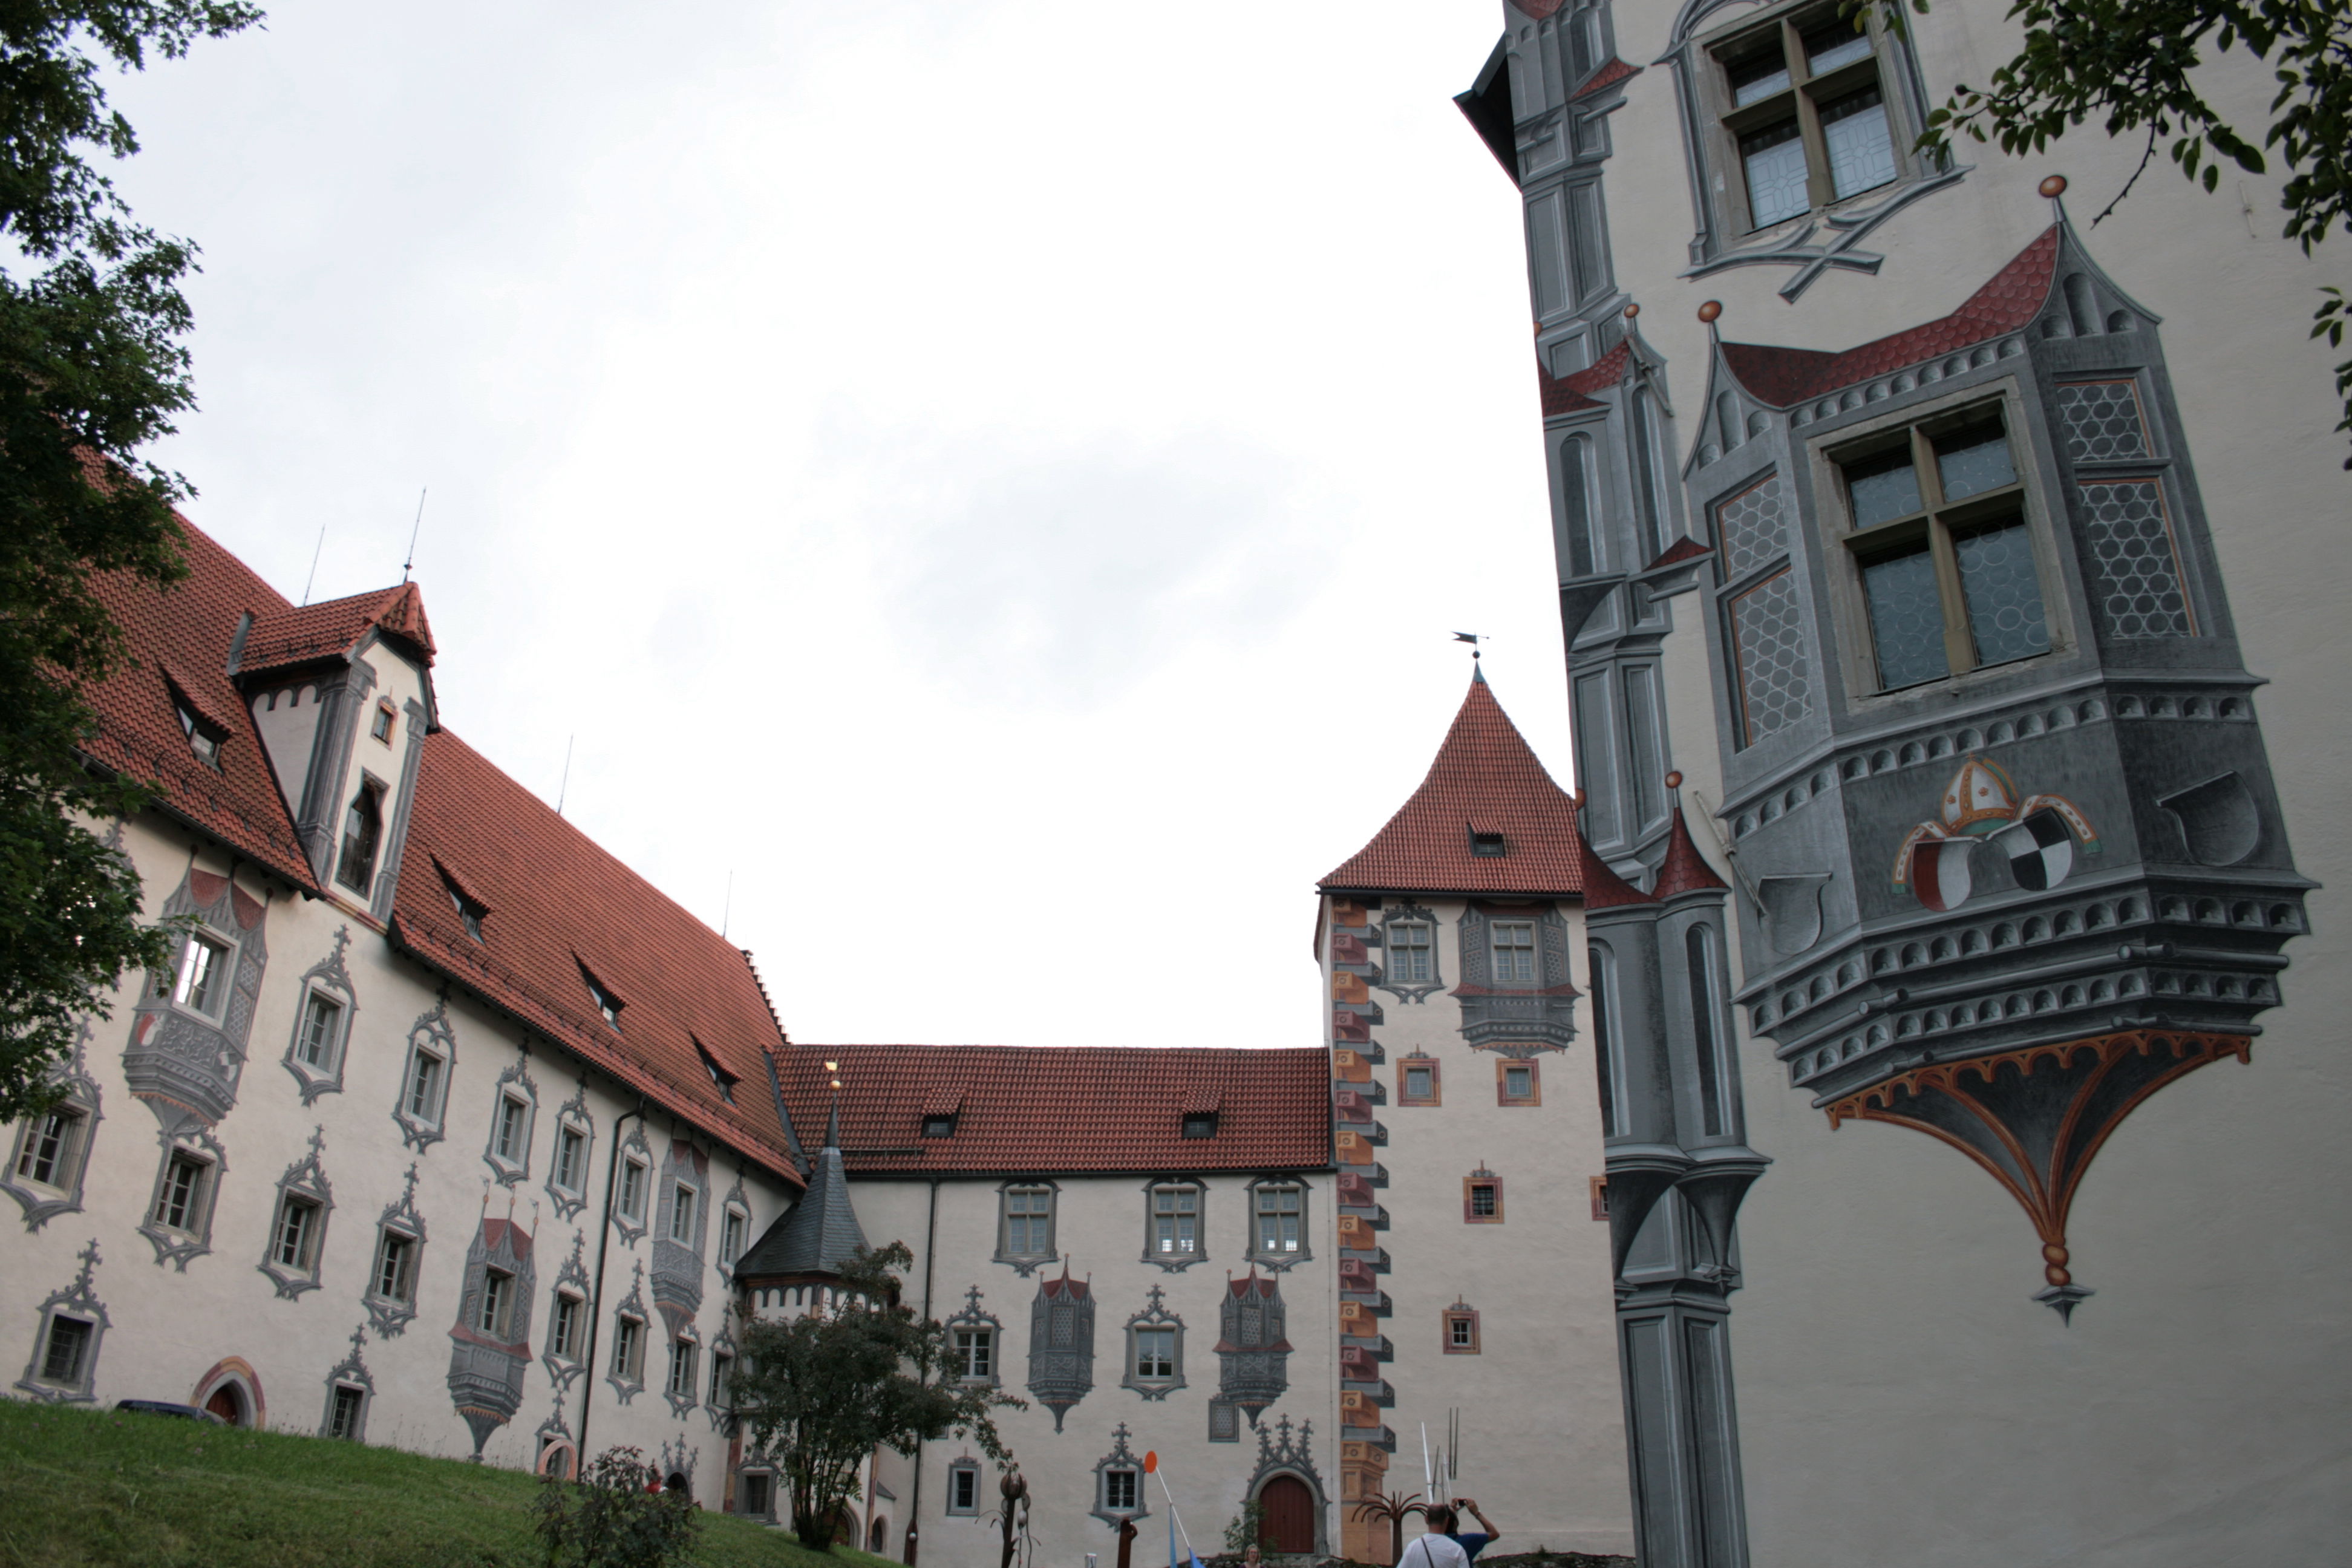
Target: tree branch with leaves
{"x": 2127, "y": 66}
{"x": 819, "y": 1394}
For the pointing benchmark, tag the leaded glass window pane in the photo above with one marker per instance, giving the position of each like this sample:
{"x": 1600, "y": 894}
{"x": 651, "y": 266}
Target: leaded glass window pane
{"x": 1906, "y": 619}
{"x": 1831, "y": 47}
{"x": 1775, "y": 160}
{"x": 1861, "y": 147}
{"x": 1883, "y": 488}
{"x": 2003, "y": 594}
{"x": 1758, "y": 78}
{"x": 1972, "y": 460}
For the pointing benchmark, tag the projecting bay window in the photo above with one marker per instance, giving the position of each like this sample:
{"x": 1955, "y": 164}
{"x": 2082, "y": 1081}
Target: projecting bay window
{"x": 1802, "y": 101}
{"x": 1513, "y": 946}
{"x": 1942, "y": 550}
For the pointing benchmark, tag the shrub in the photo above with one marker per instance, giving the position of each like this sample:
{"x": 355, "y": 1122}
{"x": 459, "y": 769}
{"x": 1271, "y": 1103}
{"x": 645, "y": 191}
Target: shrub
{"x": 616, "y": 1516}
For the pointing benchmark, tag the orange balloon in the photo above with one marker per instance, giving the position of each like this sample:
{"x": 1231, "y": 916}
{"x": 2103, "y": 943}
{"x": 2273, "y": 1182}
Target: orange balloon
{"x": 1151, "y": 1461}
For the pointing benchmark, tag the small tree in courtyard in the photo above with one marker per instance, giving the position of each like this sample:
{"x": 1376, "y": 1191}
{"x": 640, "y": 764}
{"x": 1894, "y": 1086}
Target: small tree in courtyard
{"x": 821, "y": 1393}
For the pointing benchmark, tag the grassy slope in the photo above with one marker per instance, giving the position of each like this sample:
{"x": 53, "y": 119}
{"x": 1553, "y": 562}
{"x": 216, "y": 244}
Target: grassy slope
{"x": 83, "y": 1488}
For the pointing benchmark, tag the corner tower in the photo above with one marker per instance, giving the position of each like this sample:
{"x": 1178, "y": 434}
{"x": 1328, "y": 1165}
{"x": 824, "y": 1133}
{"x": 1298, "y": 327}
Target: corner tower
{"x": 1474, "y": 1253}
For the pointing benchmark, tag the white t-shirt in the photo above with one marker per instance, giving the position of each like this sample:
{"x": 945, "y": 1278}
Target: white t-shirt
{"x": 1435, "y": 1552}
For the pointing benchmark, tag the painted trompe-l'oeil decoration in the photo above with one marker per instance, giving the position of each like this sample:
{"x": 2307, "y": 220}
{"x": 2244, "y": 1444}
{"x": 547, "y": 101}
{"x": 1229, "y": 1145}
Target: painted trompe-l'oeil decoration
{"x": 2037, "y": 834}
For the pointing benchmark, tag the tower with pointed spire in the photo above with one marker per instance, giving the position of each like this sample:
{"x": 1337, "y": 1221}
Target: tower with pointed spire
{"x": 1474, "y": 1270}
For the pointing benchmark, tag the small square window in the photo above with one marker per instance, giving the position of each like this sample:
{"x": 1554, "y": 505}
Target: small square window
{"x": 1200, "y": 1125}
{"x": 1419, "y": 1082}
{"x": 938, "y": 1126}
{"x": 963, "y": 1488}
{"x": 1460, "y": 1330}
{"x": 1482, "y": 1197}
{"x": 1518, "y": 1083}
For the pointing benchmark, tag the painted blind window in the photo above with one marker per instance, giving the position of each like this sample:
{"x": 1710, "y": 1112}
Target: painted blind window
{"x": 1175, "y": 1221}
{"x": 1409, "y": 952}
{"x": 1278, "y": 1219}
{"x": 1514, "y": 951}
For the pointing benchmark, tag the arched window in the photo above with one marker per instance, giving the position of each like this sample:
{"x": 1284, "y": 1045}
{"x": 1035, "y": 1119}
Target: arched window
{"x": 1581, "y": 558}
{"x": 1706, "y": 1031}
{"x": 362, "y": 832}
{"x": 1606, "y": 1069}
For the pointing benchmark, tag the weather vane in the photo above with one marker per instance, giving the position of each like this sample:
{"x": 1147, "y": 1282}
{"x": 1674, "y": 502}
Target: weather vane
{"x": 1474, "y": 639}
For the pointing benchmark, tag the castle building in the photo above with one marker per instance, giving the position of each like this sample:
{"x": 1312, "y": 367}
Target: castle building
{"x": 465, "y": 1139}
{"x": 1973, "y": 1130}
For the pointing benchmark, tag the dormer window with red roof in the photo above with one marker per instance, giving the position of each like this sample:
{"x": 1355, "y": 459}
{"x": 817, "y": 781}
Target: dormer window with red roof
{"x": 939, "y": 1126}
{"x": 1200, "y": 1125}
{"x": 606, "y": 1003}
{"x": 362, "y": 834}
{"x": 468, "y": 911}
{"x": 1486, "y": 845}
{"x": 204, "y": 739}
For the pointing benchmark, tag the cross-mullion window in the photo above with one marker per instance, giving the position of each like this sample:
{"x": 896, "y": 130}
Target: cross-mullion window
{"x": 1175, "y": 1221}
{"x": 1155, "y": 1353}
{"x": 322, "y": 1019}
{"x": 47, "y": 1156}
{"x": 1277, "y": 1220}
{"x": 1514, "y": 948}
{"x": 1409, "y": 954}
{"x": 180, "y": 1204}
{"x": 1028, "y": 1222}
{"x": 1806, "y": 109}
{"x": 1940, "y": 543}
{"x": 396, "y": 1267}
{"x": 975, "y": 1354}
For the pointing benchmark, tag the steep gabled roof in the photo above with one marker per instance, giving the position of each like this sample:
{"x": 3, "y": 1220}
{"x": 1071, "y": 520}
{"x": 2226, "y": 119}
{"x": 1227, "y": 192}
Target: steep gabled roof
{"x": 560, "y": 904}
{"x": 1782, "y": 376}
{"x": 181, "y": 637}
{"x": 1684, "y": 869}
{"x": 1074, "y": 1109}
{"x": 299, "y": 636}
{"x": 1565, "y": 393}
{"x": 1485, "y": 780}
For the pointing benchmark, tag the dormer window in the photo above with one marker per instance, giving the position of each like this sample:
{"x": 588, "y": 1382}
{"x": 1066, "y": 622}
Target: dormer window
{"x": 1485, "y": 844}
{"x": 939, "y": 1126}
{"x": 205, "y": 739}
{"x": 606, "y": 1003}
{"x": 720, "y": 1077}
{"x": 1200, "y": 1125}
{"x": 362, "y": 834}
{"x": 380, "y": 725}
{"x": 468, "y": 911}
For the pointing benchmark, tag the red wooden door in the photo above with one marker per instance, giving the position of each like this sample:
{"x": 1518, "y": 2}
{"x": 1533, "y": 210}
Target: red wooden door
{"x": 226, "y": 1405}
{"x": 1287, "y": 1523}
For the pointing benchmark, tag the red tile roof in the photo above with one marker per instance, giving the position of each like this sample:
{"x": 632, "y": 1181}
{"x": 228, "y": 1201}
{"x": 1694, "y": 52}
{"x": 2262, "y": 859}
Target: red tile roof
{"x": 1485, "y": 779}
{"x": 559, "y": 903}
{"x": 1564, "y": 393}
{"x": 291, "y": 635}
{"x": 1538, "y": 10}
{"x": 1074, "y": 1109}
{"x": 1603, "y": 888}
{"x": 1781, "y": 376}
{"x": 1610, "y": 73}
{"x": 1684, "y": 869}
{"x": 186, "y": 631}
{"x": 1680, "y": 551}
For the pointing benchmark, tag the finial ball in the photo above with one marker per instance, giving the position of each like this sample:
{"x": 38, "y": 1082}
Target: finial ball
{"x": 1710, "y": 311}
{"x": 2055, "y": 185}
{"x": 1674, "y": 781}
{"x": 1632, "y": 309}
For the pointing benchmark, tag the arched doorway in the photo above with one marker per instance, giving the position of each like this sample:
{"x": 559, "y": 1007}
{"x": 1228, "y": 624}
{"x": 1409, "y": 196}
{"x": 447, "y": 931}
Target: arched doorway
{"x": 226, "y": 1404}
{"x": 1286, "y": 1522}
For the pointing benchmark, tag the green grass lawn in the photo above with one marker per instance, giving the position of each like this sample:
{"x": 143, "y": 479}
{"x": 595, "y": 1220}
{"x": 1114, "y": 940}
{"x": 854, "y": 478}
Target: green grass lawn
{"x": 92, "y": 1488}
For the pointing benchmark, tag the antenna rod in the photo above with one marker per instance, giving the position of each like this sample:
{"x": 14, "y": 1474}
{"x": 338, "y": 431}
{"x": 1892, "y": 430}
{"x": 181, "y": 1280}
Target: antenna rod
{"x": 313, "y": 577}
{"x": 565, "y": 787}
{"x": 412, "y": 534}
{"x": 729, "y": 907}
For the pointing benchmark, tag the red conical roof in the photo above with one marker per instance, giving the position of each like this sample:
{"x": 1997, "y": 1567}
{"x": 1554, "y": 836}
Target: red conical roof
{"x": 1485, "y": 780}
{"x": 1603, "y": 888}
{"x": 1684, "y": 869}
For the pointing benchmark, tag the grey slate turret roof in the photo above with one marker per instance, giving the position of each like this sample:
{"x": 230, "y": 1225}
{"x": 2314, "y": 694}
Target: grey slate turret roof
{"x": 820, "y": 1233}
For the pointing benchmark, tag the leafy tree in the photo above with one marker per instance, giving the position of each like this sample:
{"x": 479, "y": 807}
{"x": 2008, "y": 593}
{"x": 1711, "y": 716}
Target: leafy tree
{"x": 2128, "y": 63}
{"x": 92, "y": 368}
{"x": 618, "y": 1516}
{"x": 819, "y": 1394}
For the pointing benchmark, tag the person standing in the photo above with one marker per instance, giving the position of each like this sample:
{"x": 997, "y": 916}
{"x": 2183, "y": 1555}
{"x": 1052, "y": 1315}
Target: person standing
{"x": 1472, "y": 1544}
{"x": 1436, "y": 1547}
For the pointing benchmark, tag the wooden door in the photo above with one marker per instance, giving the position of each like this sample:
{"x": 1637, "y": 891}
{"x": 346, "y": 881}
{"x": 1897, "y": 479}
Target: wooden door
{"x": 226, "y": 1405}
{"x": 1287, "y": 1523}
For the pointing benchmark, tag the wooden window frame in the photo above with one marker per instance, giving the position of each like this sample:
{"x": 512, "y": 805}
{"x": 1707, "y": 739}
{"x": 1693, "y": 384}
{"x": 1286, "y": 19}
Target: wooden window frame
{"x": 1504, "y": 1067}
{"x": 1482, "y": 1177}
{"x": 1462, "y": 1313}
{"x": 1802, "y": 99}
{"x": 1406, "y": 1067}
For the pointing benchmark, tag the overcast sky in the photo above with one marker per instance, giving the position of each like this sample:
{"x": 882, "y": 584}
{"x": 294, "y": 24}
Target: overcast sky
{"x": 999, "y": 480}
